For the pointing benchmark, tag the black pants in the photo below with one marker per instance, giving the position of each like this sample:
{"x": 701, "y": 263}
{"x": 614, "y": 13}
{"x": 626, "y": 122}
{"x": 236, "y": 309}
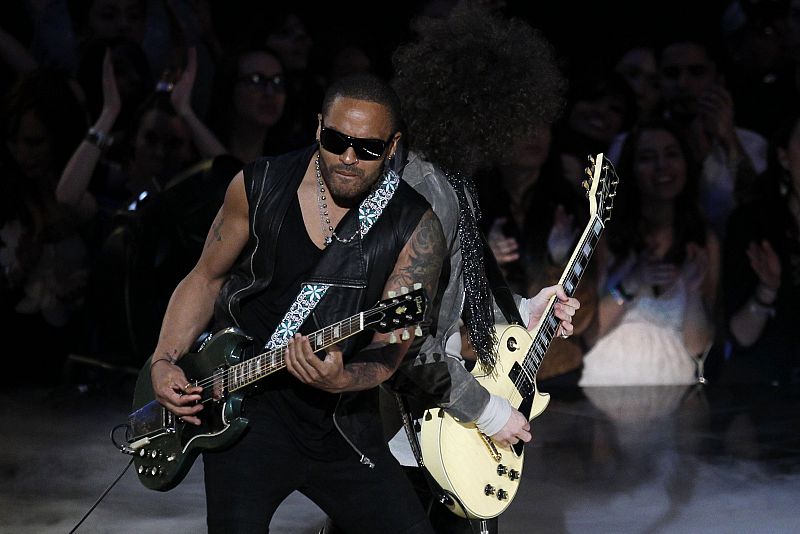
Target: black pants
{"x": 443, "y": 520}
{"x": 246, "y": 483}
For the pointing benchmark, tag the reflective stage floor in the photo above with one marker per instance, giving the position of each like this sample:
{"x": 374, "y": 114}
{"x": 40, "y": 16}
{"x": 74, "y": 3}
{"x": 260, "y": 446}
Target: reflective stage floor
{"x": 617, "y": 460}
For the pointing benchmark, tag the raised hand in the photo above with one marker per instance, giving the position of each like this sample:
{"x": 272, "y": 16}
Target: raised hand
{"x": 562, "y": 235}
{"x": 650, "y": 271}
{"x": 504, "y": 248}
{"x": 181, "y": 94}
{"x": 112, "y": 103}
{"x": 765, "y": 263}
{"x": 716, "y": 113}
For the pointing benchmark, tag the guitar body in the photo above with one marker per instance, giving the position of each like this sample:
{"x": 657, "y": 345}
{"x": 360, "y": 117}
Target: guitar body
{"x": 480, "y": 477}
{"x": 165, "y": 447}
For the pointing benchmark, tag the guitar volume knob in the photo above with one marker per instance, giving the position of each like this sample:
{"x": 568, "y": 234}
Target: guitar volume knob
{"x": 513, "y": 474}
{"x": 502, "y": 495}
{"x": 489, "y": 489}
{"x": 501, "y": 469}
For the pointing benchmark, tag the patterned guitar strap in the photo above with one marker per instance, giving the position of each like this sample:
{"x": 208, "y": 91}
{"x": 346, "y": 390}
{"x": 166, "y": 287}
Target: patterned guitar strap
{"x": 310, "y": 295}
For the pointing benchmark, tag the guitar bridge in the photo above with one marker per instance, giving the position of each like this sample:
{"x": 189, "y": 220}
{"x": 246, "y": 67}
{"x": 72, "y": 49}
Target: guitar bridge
{"x": 148, "y": 422}
{"x": 495, "y": 454}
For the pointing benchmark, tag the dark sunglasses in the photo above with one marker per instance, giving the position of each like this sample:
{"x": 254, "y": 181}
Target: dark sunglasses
{"x": 262, "y": 81}
{"x": 365, "y": 149}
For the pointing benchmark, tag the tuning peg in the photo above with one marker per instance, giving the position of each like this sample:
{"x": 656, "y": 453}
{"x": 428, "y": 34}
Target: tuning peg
{"x": 417, "y": 285}
{"x": 585, "y": 184}
{"x": 403, "y": 290}
{"x": 588, "y": 172}
{"x": 392, "y": 338}
{"x": 405, "y": 335}
{"x": 392, "y": 294}
{"x": 418, "y": 331}
{"x": 590, "y": 158}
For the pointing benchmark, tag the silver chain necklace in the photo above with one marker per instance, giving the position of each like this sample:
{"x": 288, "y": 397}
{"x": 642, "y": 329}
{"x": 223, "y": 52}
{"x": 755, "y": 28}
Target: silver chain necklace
{"x": 324, "y": 217}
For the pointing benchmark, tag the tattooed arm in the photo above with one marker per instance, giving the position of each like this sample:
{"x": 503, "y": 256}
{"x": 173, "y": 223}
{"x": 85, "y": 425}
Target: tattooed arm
{"x": 192, "y": 303}
{"x": 420, "y": 261}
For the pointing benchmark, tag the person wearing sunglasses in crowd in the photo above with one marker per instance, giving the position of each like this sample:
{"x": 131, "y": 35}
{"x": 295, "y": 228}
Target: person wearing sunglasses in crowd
{"x": 497, "y": 75}
{"x": 248, "y": 105}
{"x": 304, "y": 240}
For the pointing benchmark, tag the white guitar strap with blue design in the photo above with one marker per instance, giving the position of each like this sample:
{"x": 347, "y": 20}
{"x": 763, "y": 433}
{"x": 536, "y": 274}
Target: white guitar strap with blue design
{"x": 309, "y": 296}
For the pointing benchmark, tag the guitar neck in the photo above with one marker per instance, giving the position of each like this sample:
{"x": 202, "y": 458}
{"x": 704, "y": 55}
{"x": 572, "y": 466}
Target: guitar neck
{"x": 548, "y": 324}
{"x": 245, "y": 373}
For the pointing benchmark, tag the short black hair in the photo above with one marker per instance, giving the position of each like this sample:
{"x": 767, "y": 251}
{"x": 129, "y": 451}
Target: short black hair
{"x": 368, "y": 87}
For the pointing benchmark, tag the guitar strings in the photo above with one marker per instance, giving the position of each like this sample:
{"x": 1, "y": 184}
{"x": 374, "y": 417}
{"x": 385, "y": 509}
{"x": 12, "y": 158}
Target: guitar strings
{"x": 275, "y": 360}
{"x": 607, "y": 184}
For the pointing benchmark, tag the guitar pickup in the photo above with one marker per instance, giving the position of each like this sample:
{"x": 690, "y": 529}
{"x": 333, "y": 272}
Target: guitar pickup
{"x": 149, "y": 421}
{"x": 521, "y": 380}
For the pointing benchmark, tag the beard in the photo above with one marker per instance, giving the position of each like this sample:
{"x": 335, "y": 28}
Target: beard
{"x": 348, "y": 193}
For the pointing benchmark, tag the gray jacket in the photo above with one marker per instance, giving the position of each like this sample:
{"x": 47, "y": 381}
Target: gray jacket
{"x": 434, "y": 377}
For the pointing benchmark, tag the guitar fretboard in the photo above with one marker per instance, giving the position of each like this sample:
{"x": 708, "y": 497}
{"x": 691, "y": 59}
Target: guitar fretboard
{"x": 548, "y": 325}
{"x": 249, "y": 371}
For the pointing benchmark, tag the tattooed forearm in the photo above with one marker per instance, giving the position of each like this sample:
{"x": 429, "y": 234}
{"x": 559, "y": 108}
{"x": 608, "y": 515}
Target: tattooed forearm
{"x": 379, "y": 361}
{"x": 426, "y": 251}
{"x": 216, "y": 231}
{"x": 366, "y": 375}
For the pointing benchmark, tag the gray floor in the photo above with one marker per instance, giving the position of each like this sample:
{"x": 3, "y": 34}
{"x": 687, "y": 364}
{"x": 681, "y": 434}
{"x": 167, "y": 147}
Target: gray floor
{"x": 603, "y": 460}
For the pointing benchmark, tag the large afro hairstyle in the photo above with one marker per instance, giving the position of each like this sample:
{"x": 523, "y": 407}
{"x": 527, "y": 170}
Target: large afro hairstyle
{"x": 473, "y": 83}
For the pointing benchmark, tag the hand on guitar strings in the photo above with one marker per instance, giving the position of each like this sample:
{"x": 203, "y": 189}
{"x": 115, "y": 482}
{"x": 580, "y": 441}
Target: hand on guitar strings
{"x": 327, "y": 375}
{"x": 564, "y": 309}
{"x": 516, "y": 428}
{"x": 174, "y": 392}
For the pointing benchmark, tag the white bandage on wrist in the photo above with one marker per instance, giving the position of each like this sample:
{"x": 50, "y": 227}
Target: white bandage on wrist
{"x": 494, "y": 416}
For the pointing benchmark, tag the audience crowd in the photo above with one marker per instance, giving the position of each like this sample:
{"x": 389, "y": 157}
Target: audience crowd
{"x": 124, "y": 120}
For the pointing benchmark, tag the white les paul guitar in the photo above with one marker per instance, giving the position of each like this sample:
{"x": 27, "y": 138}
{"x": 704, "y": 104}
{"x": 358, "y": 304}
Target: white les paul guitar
{"x": 479, "y": 477}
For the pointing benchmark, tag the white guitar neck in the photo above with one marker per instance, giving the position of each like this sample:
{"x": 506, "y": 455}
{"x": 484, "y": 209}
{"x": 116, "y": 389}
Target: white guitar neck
{"x": 547, "y": 328}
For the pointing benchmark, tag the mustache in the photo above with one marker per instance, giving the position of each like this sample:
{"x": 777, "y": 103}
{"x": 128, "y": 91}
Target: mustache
{"x": 348, "y": 169}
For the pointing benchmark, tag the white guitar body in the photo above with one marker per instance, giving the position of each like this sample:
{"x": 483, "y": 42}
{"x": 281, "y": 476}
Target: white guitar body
{"x": 480, "y": 477}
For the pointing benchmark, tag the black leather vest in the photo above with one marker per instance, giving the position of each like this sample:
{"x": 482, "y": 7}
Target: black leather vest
{"x": 357, "y": 271}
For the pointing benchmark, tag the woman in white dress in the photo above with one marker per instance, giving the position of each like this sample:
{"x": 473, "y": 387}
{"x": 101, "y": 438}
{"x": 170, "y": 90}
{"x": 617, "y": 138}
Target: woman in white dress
{"x": 662, "y": 271}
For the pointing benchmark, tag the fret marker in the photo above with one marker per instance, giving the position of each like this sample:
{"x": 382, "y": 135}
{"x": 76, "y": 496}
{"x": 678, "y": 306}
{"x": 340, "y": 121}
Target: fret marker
{"x": 587, "y": 250}
{"x": 569, "y": 286}
{"x": 578, "y": 268}
{"x": 336, "y": 330}
{"x": 319, "y": 340}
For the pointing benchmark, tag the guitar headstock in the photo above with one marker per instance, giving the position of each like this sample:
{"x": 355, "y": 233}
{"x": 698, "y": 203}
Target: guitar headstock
{"x": 398, "y": 311}
{"x": 601, "y": 187}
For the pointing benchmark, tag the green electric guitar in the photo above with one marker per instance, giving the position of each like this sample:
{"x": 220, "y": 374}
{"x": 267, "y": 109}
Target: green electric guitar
{"x": 164, "y": 447}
